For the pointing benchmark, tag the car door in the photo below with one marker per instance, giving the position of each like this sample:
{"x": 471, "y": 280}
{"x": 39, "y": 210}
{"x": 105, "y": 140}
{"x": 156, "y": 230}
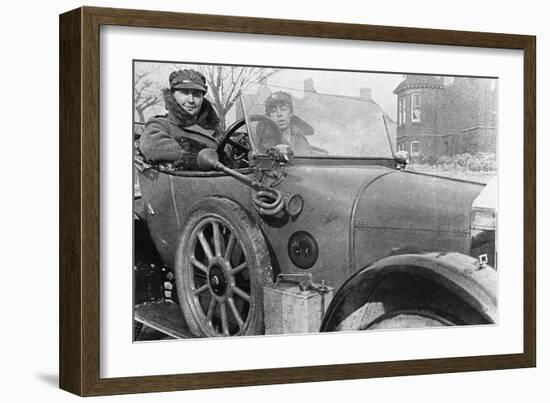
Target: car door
{"x": 159, "y": 211}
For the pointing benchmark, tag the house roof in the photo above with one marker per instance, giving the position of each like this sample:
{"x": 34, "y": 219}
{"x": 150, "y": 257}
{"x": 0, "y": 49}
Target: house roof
{"x": 417, "y": 81}
{"x": 330, "y": 102}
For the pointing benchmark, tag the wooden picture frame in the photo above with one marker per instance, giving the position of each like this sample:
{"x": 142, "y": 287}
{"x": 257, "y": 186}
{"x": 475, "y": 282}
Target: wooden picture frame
{"x": 80, "y": 199}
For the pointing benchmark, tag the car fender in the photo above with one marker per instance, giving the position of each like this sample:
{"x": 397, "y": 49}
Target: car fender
{"x": 462, "y": 275}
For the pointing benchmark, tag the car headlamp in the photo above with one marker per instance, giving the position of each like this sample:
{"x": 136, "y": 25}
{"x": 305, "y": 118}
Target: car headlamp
{"x": 281, "y": 153}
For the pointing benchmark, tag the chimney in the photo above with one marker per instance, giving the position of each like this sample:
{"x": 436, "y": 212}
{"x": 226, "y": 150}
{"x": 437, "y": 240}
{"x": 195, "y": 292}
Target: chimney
{"x": 308, "y": 86}
{"x": 365, "y": 94}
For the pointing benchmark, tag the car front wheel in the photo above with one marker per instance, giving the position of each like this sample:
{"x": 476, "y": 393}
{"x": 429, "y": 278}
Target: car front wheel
{"x": 221, "y": 266}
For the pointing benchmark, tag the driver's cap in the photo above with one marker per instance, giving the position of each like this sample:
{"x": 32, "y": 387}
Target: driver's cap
{"x": 278, "y": 97}
{"x": 187, "y": 79}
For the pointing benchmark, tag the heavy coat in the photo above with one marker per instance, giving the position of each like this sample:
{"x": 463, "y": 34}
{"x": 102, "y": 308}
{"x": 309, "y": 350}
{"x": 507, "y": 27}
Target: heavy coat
{"x": 178, "y": 136}
{"x": 269, "y": 135}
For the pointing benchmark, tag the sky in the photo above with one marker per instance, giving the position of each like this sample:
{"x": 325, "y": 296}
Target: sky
{"x": 327, "y": 82}
{"x": 345, "y": 83}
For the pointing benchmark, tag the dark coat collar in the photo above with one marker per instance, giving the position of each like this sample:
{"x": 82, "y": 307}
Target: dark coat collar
{"x": 300, "y": 126}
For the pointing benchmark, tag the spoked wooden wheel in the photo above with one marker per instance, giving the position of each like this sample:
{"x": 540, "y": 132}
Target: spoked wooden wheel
{"x": 221, "y": 267}
{"x": 218, "y": 278}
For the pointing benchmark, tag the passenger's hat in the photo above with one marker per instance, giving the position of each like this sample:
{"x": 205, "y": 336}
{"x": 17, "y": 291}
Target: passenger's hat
{"x": 187, "y": 79}
{"x": 278, "y": 97}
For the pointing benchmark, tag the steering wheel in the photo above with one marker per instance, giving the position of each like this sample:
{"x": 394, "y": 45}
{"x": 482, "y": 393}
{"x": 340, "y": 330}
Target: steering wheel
{"x": 239, "y": 141}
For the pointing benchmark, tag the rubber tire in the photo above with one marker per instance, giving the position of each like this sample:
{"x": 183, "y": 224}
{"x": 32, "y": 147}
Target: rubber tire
{"x": 404, "y": 293}
{"x": 256, "y": 252}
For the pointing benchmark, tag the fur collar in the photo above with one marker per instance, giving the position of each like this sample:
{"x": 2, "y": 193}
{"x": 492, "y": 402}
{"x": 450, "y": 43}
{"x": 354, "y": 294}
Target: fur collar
{"x": 300, "y": 126}
{"x": 207, "y": 117}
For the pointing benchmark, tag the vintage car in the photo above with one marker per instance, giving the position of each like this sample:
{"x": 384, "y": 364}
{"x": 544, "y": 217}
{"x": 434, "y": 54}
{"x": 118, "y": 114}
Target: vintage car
{"x": 399, "y": 248}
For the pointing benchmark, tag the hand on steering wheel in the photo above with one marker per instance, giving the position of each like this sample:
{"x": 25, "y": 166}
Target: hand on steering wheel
{"x": 239, "y": 143}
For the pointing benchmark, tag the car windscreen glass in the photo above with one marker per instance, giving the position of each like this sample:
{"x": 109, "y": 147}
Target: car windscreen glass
{"x": 315, "y": 124}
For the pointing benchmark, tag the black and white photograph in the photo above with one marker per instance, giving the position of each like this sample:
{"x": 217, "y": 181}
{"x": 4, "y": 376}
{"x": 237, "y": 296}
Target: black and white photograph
{"x": 273, "y": 201}
{"x": 270, "y": 202}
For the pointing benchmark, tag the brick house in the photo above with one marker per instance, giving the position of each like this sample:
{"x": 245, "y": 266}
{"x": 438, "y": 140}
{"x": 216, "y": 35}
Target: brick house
{"x": 446, "y": 116}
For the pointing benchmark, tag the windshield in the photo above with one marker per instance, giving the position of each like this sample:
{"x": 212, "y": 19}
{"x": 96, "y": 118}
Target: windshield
{"x": 316, "y": 124}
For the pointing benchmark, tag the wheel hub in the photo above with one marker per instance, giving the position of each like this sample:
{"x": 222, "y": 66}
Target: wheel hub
{"x": 217, "y": 280}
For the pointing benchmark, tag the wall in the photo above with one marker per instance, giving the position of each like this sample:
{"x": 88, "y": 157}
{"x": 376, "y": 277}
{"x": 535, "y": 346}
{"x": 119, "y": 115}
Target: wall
{"x": 459, "y": 118}
{"x": 29, "y": 201}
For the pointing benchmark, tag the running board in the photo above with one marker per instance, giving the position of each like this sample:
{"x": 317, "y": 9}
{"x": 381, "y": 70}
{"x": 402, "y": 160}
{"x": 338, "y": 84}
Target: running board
{"x": 164, "y": 316}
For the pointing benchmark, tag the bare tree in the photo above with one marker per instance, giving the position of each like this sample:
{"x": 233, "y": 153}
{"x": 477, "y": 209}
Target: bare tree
{"x": 226, "y": 83}
{"x": 147, "y": 92}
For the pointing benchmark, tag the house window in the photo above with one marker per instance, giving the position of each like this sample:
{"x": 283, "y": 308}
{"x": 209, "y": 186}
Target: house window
{"x": 415, "y": 147}
{"x": 416, "y": 108}
{"x": 401, "y": 113}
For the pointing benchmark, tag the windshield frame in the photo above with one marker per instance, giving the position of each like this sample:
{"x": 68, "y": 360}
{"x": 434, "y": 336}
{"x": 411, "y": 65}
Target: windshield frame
{"x": 321, "y": 157}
